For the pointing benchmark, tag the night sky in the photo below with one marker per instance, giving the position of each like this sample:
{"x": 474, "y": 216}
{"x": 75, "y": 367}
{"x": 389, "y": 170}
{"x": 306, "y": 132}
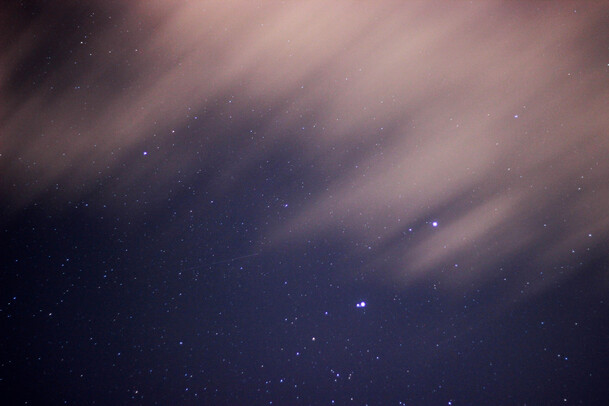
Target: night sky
{"x": 304, "y": 203}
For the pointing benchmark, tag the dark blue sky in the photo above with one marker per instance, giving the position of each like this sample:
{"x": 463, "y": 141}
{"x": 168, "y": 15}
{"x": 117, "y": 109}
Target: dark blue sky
{"x": 196, "y": 198}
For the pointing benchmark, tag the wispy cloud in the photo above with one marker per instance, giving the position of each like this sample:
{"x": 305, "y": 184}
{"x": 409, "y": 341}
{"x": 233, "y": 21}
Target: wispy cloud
{"x": 490, "y": 119}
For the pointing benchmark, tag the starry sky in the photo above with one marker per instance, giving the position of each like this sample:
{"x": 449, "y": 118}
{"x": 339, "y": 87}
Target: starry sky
{"x": 304, "y": 203}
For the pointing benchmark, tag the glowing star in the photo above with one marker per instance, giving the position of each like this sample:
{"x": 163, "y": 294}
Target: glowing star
{"x": 361, "y": 304}
{"x": 435, "y": 224}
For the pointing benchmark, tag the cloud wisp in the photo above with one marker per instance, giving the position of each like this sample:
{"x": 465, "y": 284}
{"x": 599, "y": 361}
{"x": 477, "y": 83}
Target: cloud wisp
{"x": 490, "y": 119}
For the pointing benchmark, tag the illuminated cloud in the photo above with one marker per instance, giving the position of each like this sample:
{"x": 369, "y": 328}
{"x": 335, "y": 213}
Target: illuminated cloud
{"x": 490, "y": 119}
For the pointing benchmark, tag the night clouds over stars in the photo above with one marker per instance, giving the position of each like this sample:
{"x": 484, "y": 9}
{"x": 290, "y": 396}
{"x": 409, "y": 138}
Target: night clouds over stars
{"x": 304, "y": 203}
